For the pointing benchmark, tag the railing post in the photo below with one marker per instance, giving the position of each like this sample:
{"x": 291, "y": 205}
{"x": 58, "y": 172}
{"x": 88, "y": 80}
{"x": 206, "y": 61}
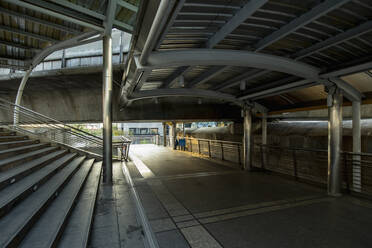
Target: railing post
{"x": 264, "y": 138}
{"x": 346, "y": 178}
{"x": 239, "y": 154}
{"x": 199, "y": 146}
{"x": 222, "y": 155}
{"x": 262, "y": 156}
{"x": 295, "y": 173}
{"x": 190, "y": 145}
{"x": 356, "y": 165}
{"x": 209, "y": 148}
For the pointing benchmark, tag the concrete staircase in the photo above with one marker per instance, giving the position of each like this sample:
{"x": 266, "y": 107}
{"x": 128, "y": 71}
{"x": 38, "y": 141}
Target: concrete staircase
{"x": 47, "y": 194}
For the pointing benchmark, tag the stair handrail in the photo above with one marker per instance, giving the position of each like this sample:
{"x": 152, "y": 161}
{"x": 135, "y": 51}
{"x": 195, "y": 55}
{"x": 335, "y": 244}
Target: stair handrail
{"x": 30, "y": 117}
{"x": 47, "y": 117}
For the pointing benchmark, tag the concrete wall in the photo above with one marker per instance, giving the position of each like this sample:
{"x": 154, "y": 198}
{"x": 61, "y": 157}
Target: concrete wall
{"x": 85, "y": 105}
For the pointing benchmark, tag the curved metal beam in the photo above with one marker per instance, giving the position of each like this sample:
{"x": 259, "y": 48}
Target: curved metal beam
{"x": 182, "y": 92}
{"x": 164, "y": 59}
{"x": 77, "y": 40}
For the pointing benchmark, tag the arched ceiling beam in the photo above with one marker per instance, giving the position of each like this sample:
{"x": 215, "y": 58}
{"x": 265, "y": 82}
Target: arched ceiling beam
{"x": 241, "y": 15}
{"x": 77, "y": 40}
{"x": 182, "y": 92}
{"x": 194, "y": 57}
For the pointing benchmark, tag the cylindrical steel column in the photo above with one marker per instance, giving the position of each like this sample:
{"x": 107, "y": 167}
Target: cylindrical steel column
{"x": 247, "y": 142}
{"x": 19, "y": 95}
{"x": 107, "y": 108}
{"x": 334, "y": 141}
{"x": 356, "y": 147}
{"x": 165, "y": 134}
{"x": 174, "y": 135}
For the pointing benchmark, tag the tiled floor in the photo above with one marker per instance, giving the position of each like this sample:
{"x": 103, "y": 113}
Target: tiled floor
{"x": 193, "y": 202}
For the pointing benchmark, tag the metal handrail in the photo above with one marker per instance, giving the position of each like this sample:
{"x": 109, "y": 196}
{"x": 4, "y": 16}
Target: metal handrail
{"x": 56, "y": 131}
{"x": 17, "y": 107}
{"x": 124, "y": 145}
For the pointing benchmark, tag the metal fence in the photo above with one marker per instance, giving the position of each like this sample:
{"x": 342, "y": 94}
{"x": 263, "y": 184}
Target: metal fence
{"x": 224, "y": 150}
{"x": 301, "y": 163}
{"x": 122, "y": 147}
{"x": 144, "y": 139}
{"x": 310, "y": 165}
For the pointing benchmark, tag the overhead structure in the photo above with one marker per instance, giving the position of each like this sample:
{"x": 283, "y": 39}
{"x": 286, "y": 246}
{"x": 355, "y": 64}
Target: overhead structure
{"x": 31, "y": 26}
{"x": 275, "y": 47}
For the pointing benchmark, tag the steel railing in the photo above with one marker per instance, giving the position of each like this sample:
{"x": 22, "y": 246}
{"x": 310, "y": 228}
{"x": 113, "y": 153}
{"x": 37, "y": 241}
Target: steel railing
{"x": 306, "y": 164}
{"x": 123, "y": 146}
{"x": 144, "y": 139}
{"x": 218, "y": 149}
{"x": 31, "y": 122}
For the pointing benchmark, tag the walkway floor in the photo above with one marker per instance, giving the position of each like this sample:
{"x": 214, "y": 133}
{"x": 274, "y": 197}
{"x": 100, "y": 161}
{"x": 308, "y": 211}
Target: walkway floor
{"x": 193, "y": 202}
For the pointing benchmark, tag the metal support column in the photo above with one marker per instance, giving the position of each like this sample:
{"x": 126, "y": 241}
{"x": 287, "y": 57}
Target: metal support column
{"x": 356, "y": 147}
{"x": 19, "y": 95}
{"x": 63, "y": 59}
{"x": 174, "y": 135}
{"x": 247, "y": 142}
{"x": 107, "y": 108}
{"x": 164, "y": 134}
{"x": 334, "y": 102}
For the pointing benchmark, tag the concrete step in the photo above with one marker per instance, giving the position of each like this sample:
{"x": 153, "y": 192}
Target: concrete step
{"x": 18, "y": 143}
{"x": 23, "y": 149}
{"x": 12, "y": 138}
{"x": 17, "y": 173}
{"x": 77, "y": 231}
{"x": 7, "y": 163}
{"x": 16, "y": 192}
{"x": 15, "y": 225}
{"x": 7, "y": 133}
{"x": 48, "y": 229}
